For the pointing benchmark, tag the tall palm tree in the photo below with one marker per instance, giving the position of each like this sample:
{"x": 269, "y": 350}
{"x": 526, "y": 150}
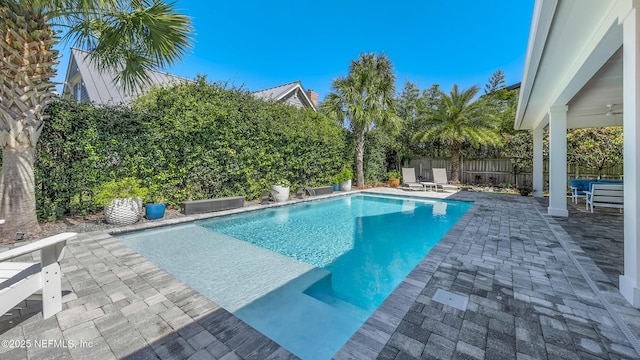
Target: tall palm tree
{"x": 458, "y": 118}
{"x": 365, "y": 99}
{"x": 129, "y": 37}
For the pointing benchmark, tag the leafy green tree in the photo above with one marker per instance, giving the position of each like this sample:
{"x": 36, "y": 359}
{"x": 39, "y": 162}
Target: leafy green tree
{"x": 402, "y": 147}
{"x": 458, "y": 118}
{"x": 496, "y": 82}
{"x": 129, "y": 37}
{"x": 595, "y": 148}
{"x": 518, "y": 147}
{"x": 365, "y": 99}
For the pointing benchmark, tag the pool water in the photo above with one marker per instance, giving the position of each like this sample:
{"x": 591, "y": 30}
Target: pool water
{"x": 306, "y": 275}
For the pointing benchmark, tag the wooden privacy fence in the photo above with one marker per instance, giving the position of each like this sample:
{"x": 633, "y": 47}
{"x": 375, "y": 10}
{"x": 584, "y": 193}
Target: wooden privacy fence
{"x": 502, "y": 171}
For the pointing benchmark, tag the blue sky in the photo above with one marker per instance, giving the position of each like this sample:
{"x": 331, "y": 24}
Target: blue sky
{"x": 261, "y": 44}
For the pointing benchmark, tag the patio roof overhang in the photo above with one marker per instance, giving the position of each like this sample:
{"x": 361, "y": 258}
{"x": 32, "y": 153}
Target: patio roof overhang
{"x": 579, "y": 52}
{"x": 574, "y": 58}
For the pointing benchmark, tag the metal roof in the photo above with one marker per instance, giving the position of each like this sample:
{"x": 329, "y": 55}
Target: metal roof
{"x": 278, "y": 93}
{"x": 102, "y": 89}
{"x": 100, "y": 85}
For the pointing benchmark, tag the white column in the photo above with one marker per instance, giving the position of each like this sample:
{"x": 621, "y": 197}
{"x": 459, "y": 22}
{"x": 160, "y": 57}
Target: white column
{"x": 630, "y": 281}
{"x": 558, "y": 161}
{"x": 538, "y": 162}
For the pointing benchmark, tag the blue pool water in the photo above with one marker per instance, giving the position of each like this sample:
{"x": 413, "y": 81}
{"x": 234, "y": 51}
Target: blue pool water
{"x": 306, "y": 275}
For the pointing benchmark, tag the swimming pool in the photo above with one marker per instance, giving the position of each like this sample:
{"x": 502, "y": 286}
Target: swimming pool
{"x": 306, "y": 275}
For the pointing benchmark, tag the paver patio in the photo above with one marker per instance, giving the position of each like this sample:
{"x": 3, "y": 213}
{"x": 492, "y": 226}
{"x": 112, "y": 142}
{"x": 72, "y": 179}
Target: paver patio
{"x": 537, "y": 288}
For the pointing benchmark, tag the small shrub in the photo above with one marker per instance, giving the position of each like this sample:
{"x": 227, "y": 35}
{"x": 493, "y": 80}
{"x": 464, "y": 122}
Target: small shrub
{"x": 394, "y": 174}
{"x": 282, "y": 182}
{"x": 344, "y": 175}
{"x": 120, "y": 189}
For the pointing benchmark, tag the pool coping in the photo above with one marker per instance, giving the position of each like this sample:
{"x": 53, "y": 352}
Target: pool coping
{"x": 371, "y": 337}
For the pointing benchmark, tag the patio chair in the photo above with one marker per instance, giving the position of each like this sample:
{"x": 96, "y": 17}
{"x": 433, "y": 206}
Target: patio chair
{"x": 20, "y": 281}
{"x": 409, "y": 179}
{"x": 605, "y": 195}
{"x": 440, "y": 178}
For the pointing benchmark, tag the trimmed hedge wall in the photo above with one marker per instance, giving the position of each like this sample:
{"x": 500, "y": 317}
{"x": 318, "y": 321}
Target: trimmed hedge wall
{"x": 192, "y": 141}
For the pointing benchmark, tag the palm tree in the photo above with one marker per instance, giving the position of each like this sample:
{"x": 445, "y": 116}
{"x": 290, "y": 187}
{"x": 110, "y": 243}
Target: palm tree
{"x": 129, "y": 37}
{"x": 455, "y": 119}
{"x": 365, "y": 99}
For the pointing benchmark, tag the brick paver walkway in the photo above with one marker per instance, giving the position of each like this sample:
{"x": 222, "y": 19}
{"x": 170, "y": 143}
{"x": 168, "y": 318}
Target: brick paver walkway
{"x": 527, "y": 299}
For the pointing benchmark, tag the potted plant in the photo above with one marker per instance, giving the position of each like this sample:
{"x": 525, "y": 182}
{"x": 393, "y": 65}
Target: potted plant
{"x": 154, "y": 209}
{"x": 281, "y": 190}
{"x": 393, "y": 177}
{"x": 122, "y": 200}
{"x": 344, "y": 179}
{"x": 336, "y": 181}
{"x": 524, "y": 190}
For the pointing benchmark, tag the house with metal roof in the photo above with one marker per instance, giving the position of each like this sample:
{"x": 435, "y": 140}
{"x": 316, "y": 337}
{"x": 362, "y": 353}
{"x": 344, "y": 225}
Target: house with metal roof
{"x": 84, "y": 82}
{"x": 583, "y": 70}
{"x": 292, "y": 93}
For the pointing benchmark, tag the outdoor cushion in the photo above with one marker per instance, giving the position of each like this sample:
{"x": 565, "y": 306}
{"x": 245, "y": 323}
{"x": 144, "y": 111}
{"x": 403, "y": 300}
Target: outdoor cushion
{"x": 611, "y": 182}
{"x": 603, "y": 181}
{"x": 581, "y": 185}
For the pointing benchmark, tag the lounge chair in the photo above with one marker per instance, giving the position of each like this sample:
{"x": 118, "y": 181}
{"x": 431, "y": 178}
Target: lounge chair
{"x": 440, "y": 178}
{"x": 22, "y": 280}
{"x": 409, "y": 179}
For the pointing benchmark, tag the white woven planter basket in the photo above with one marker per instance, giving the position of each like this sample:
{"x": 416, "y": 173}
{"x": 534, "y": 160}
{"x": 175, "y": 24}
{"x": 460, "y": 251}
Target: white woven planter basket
{"x": 123, "y": 211}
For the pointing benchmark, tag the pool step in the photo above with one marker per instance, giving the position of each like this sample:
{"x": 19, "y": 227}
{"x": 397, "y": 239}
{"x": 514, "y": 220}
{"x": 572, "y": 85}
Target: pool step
{"x": 322, "y": 290}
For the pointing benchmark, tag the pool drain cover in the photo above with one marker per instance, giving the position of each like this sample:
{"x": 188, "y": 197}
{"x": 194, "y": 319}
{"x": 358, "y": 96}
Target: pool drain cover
{"x": 454, "y": 300}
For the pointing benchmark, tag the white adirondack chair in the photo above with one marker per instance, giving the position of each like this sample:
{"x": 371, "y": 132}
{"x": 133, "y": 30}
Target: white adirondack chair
{"x": 21, "y": 280}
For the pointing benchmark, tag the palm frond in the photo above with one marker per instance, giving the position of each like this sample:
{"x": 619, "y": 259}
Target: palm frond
{"x": 129, "y": 37}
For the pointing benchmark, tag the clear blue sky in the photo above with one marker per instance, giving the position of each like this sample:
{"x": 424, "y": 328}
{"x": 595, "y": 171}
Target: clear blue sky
{"x": 262, "y": 44}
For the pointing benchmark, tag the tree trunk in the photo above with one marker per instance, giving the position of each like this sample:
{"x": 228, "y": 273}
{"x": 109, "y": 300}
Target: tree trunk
{"x": 27, "y": 63}
{"x": 455, "y": 162}
{"x": 360, "y": 158}
{"x": 17, "y": 186}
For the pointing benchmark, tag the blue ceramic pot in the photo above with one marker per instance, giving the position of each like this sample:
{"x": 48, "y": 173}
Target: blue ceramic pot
{"x": 155, "y": 211}
{"x": 336, "y": 187}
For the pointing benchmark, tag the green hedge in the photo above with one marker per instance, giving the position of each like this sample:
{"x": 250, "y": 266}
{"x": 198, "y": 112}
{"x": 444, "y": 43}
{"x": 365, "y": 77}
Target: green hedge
{"x": 192, "y": 141}
{"x": 377, "y": 143}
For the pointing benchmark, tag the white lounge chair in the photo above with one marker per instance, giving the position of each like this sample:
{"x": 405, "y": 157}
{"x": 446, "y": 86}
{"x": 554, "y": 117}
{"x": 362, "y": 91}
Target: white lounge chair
{"x": 21, "y": 280}
{"x": 409, "y": 179}
{"x": 440, "y": 178}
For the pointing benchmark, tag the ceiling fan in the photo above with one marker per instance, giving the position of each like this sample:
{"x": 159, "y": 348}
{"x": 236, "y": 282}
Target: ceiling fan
{"x": 609, "y": 112}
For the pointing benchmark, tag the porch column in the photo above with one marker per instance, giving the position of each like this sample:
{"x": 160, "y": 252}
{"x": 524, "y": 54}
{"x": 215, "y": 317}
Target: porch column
{"x": 558, "y": 161}
{"x": 538, "y": 162}
{"x": 630, "y": 281}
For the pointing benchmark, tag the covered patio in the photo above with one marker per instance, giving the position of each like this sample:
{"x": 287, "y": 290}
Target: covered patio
{"x": 579, "y": 53}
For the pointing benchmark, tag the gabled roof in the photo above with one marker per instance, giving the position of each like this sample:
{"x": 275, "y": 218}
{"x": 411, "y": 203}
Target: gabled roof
{"x": 282, "y": 92}
{"x": 100, "y": 85}
{"x": 101, "y": 88}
